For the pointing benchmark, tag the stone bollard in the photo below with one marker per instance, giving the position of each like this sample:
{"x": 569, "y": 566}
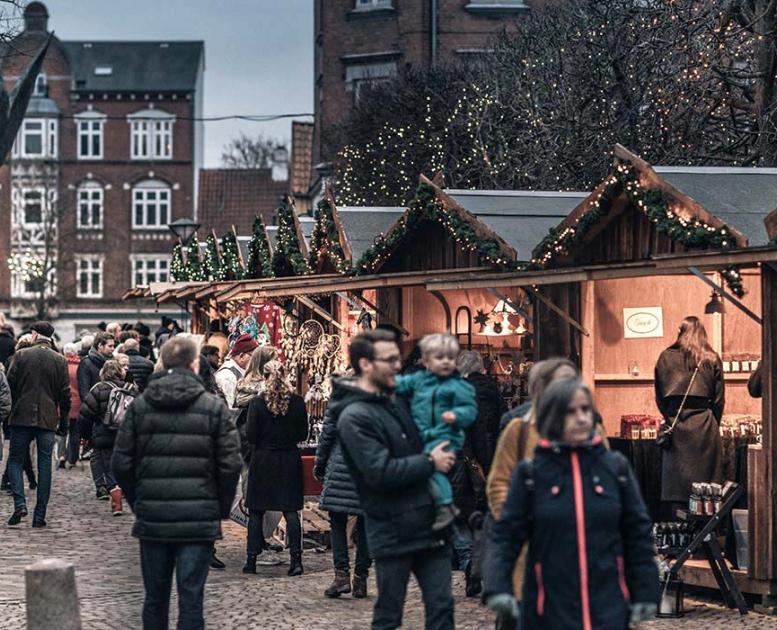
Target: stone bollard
{"x": 52, "y": 599}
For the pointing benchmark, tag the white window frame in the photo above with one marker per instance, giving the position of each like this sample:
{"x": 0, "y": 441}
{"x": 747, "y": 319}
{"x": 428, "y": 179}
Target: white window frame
{"x": 145, "y": 264}
{"x": 370, "y": 5}
{"x": 44, "y": 206}
{"x": 41, "y": 87}
{"x": 91, "y": 195}
{"x": 358, "y": 74}
{"x": 91, "y": 265}
{"x": 90, "y": 125}
{"x": 48, "y": 128}
{"x": 151, "y": 135}
{"x": 144, "y": 195}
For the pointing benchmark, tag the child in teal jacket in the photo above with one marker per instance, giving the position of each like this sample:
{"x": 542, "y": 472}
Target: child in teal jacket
{"x": 443, "y": 405}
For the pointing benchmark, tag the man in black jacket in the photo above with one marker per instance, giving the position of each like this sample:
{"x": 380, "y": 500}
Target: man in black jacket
{"x": 177, "y": 459}
{"x": 384, "y": 452}
{"x": 40, "y": 389}
{"x": 139, "y": 366}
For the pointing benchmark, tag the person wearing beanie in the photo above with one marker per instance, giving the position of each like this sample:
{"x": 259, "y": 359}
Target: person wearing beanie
{"x": 234, "y": 367}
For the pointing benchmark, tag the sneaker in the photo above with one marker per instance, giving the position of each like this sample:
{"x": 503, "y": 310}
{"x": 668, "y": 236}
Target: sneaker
{"x": 277, "y": 548}
{"x": 17, "y": 517}
{"x": 215, "y": 563}
{"x": 268, "y": 558}
{"x": 39, "y": 522}
{"x": 62, "y": 463}
{"x": 444, "y": 517}
{"x": 103, "y": 494}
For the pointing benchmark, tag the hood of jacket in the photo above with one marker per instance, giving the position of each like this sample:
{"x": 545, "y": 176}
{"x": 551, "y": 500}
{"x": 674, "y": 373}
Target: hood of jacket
{"x": 345, "y": 391}
{"x": 173, "y": 389}
{"x": 97, "y": 358}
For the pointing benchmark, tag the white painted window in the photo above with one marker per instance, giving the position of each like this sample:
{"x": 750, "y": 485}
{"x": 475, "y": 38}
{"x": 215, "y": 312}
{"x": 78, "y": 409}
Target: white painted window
{"x": 89, "y": 276}
{"x": 33, "y": 207}
{"x": 151, "y": 205}
{"x": 90, "y": 206}
{"x": 366, "y": 5}
{"x": 90, "y": 135}
{"x": 41, "y": 86}
{"x": 36, "y": 138}
{"x": 151, "y": 135}
{"x": 149, "y": 268}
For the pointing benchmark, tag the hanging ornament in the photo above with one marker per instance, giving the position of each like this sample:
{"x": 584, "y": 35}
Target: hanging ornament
{"x": 481, "y": 319}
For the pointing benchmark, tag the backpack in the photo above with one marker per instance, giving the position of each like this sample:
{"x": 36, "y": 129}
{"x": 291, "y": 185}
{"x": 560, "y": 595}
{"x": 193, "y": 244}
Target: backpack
{"x": 119, "y": 401}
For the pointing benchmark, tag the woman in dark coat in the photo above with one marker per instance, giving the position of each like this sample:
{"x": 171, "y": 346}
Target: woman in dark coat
{"x": 340, "y": 498}
{"x": 696, "y": 448}
{"x": 590, "y": 561}
{"x": 277, "y": 422}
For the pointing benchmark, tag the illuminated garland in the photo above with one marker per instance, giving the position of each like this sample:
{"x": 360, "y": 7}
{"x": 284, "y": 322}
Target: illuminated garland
{"x": 177, "y": 266}
{"x": 426, "y": 207}
{"x": 259, "y": 259}
{"x": 230, "y": 257}
{"x": 194, "y": 268}
{"x": 212, "y": 263}
{"x": 691, "y": 233}
{"x": 325, "y": 240}
{"x": 288, "y": 259}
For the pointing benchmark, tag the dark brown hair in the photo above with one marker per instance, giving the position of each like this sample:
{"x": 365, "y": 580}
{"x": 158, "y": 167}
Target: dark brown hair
{"x": 101, "y": 338}
{"x": 363, "y": 346}
{"x": 692, "y": 340}
{"x": 554, "y": 406}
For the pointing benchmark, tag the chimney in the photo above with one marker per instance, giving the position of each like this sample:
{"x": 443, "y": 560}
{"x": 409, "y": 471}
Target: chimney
{"x": 36, "y": 18}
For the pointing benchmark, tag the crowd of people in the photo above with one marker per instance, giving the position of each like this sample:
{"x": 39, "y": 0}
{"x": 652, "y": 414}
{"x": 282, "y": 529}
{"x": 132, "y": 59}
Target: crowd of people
{"x": 434, "y": 472}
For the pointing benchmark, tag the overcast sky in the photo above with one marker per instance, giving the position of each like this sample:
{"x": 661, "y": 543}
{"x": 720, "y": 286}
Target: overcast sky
{"x": 258, "y": 53}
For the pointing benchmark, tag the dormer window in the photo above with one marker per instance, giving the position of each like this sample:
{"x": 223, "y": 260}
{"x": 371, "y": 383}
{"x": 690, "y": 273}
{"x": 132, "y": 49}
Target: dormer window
{"x": 103, "y": 71}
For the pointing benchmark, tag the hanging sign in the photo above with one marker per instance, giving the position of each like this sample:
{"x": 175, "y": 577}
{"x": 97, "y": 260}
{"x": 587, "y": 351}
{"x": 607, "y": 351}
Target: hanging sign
{"x": 639, "y": 323}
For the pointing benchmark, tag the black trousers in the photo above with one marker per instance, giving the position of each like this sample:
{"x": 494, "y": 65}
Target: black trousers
{"x": 256, "y": 542}
{"x": 432, "y": 569}
{"x": 338, "y": 522}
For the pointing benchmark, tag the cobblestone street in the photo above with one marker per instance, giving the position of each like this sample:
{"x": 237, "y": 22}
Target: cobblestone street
{"x": 106, "y": 558}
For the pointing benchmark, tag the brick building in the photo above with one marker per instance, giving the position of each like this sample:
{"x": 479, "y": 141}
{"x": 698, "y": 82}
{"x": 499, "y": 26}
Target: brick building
{"x": 359, "y": 41}
{"x": 106, "y": 157}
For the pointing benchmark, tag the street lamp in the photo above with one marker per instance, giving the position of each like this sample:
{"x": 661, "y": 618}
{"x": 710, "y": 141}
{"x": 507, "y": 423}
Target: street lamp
{"x": 184, "y": 229}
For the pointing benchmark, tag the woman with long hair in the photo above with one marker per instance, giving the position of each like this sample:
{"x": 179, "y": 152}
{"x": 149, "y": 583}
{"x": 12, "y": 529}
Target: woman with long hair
{"x": 578, "y": 507}
{"x": 689, "y": 387}
{"x": 277, "y": 422}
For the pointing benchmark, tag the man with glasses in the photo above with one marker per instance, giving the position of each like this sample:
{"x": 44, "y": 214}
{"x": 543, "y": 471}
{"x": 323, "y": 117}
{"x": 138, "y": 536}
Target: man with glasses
{"x": 384, "y": 453}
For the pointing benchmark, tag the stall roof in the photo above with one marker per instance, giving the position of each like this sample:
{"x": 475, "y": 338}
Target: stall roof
{"x": 741, "y": 197}
{"x": 305, "y": 221}
{"x": 521, "y": 217}
{"x": 362, "y": 224}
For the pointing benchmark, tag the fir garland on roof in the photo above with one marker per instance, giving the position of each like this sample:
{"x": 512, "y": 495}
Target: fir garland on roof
{"x": 259, "y": 259}
{"x": 177, "y": 265}
{"x": 426, "y": 207}
{"x": 325, "y": 240}
{"x": 212, "y": 263}
{"x": 288, "y": 259}
{"x": 194, "y": 269}
{"x": 230, "y": 257}
{"x": 691, "y": 233}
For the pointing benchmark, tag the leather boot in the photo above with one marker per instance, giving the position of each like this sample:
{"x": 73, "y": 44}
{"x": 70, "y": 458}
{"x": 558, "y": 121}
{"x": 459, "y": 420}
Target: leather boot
{"x": 340, "y": 585}
{"x": 250, "y": 565}
{"x": 359, "y": 586}
{"x": 295, "y": 563}
{"x": 116, "y": 496}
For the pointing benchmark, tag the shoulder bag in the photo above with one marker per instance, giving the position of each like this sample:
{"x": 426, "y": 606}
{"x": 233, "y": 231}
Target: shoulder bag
{"x": 664, "y": 438}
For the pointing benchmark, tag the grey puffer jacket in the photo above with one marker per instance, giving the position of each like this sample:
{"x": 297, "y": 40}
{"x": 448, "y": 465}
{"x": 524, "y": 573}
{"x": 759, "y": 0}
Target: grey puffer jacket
{"x": 177, "y": 459}
{"x": 339, "y": 493}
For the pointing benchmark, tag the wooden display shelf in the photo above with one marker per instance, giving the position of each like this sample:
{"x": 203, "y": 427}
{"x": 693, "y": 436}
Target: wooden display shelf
{"x": 648, "y": 378}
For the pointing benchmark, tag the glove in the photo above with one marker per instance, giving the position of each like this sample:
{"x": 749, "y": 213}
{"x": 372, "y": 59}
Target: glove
{"x": 504, "y": 605}
{"x": 642, "y": 612}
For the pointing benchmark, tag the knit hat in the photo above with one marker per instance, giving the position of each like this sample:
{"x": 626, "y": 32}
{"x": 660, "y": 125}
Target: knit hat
{"x": 245, "y": 343}
{"x": 43, "y": 328}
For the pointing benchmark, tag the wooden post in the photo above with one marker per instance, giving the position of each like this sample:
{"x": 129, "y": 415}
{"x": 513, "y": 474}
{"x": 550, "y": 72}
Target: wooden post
{"x": 588, "y": 321}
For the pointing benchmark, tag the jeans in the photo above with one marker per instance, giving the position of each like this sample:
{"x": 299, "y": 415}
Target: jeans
{"x": 21, "y": 437}
{"x": 256, "y": 542}
{"x": 28, "y": 470}
{"x": 338, "y": 522}
{"x": 461, "y": 538}
{"x": 432, "y": 569}
{"x": 191, "y": 562}
{"x": 100, "y": 463}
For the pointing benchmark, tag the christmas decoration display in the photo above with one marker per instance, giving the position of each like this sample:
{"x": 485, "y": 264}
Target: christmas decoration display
{"x": 194, "y": 269}
{"x": 426, "y": 207}
{"x": 262, "y": 321}
{"x": 178, "y": 269}
{"x": 481, "y": 319}
{"x": 288, "y": 259}
{"x": 212, "y": 263}
{"x": 231, "y": 263}
{"x": 325, "y": 241}
{"x": 259, "y": 260}
{"x": 691, "y": 233}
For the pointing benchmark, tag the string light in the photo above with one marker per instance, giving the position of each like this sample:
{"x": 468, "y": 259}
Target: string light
{"x": 259, "y": 259}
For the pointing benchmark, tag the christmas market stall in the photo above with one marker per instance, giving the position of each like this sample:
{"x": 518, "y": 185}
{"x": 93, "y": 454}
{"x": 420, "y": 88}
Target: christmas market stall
{"x": 613, "y": 281}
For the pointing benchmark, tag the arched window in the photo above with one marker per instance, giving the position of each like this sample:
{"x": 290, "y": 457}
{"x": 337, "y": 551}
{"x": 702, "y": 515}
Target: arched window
{"x": 151, "y": 201}
{"x": 90, "y": 204}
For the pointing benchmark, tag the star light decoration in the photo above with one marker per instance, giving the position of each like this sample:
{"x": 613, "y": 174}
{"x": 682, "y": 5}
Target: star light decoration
{"x": 481, "y": 319}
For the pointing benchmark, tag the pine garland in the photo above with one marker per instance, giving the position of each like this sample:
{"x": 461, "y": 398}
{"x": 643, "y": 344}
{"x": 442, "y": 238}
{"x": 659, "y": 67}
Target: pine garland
{"x": 177, "y": 266}
{"x": 426, "y": 207}
{"x": 194, "y": 268}
{"x": 230, "y": 257}
{"x": 259, "y": 260}
{"x": 288, "y": 259}
{"x": 212, "y": 262}
{"x": 325, "y": 239}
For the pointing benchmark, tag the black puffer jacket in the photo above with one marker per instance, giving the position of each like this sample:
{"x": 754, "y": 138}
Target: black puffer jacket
{"x": 92, "y": 415}
{"x": 140, "y": 368}
{"x": 484, "y": 433}
{"x": 384, "y": 453}
{"x": 177, "y": 459}
{"x": 88, "y": 374}
{"x": 339, "y": 493}
{"x": 589, "y": 539}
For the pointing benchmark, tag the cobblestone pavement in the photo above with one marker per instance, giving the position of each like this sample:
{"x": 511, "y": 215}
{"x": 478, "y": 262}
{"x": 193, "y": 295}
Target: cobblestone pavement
{"x": 82, "y": 531}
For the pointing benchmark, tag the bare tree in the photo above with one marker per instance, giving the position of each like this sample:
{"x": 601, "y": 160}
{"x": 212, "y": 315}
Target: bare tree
{"x": 253, "y": 152}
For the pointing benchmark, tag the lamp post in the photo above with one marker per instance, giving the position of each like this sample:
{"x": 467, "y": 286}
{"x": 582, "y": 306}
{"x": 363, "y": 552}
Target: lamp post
{"x": 184, "y": 229}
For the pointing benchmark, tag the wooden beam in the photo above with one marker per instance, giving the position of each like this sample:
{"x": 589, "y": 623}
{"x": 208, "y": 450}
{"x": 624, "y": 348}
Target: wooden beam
{"x": 561, "y": 313}
{"x": 731, "y": 298}
{"x": 345, "y": 244}
{"x": 501, "y": 296}
{"x": 769, "y": 369}
{"x": 320, "y": 311}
